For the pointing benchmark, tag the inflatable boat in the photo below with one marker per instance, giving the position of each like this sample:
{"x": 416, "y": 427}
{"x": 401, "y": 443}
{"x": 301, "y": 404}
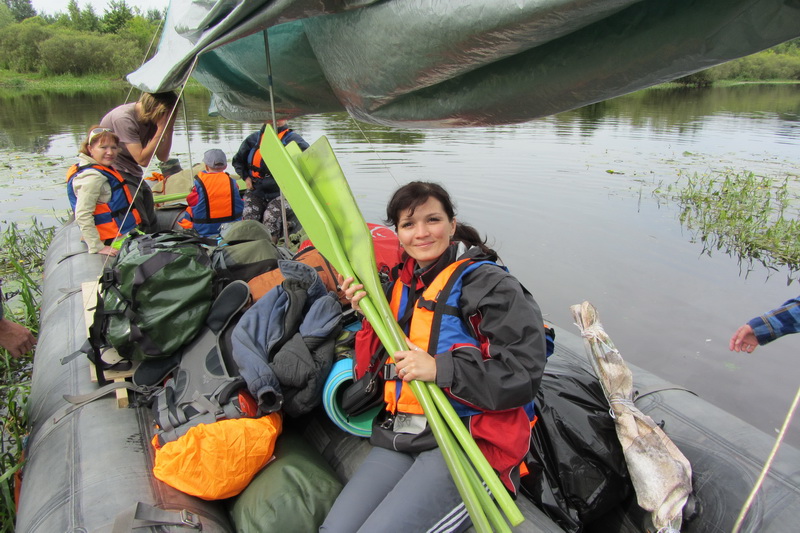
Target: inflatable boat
{"x": 90, "y": 469}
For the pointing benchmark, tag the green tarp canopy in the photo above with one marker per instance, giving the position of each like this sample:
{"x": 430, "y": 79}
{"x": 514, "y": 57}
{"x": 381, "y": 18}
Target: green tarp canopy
{"x": 434, "y": 63}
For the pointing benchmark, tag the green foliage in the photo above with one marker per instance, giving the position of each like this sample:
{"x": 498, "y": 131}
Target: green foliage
{"x": 155, "y": 15}
{"x": 781, "y": 62}
{"x": 77, "y": 53}
{"x": 754, "y": 218}
{"x": 766, "y": 65}
{"x": 789, "y": 47}
{"x": 71, "y": 43}
{"x": 117, "y": 15}
{"x": 6, "y": 16}
{"x": 19, "y": 45}
{"x": 703, "y": 78}
{"x": 21, "y": 264}
{"x": 142, "y": 32}
{"x": 21, "y": 9}
{"x": 82, "y": 19}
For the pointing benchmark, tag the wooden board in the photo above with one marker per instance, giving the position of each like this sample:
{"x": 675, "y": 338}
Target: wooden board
{"x": 90, "y": 290}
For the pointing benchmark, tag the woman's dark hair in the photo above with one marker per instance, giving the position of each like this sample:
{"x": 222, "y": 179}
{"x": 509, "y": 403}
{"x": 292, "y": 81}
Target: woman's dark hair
{"x": 413, "y": 194}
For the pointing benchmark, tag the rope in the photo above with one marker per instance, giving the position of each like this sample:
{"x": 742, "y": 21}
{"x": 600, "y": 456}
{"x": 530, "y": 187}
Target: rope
{"x": 147, "y": 53}
{"x": 188, "y": 137}
{"x": 284, "y": 221}
{"x": 596, "y": 332}
{"x": 767, "y": 464}
{"x": 374, "y": 151}
{"x": 624, "y": 402}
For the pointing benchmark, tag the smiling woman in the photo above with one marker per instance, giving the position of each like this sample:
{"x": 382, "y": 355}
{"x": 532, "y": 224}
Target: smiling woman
{"x": 98, "y": 195}
{"x": 458, "y": 309}
{"x": 425, "y": 231}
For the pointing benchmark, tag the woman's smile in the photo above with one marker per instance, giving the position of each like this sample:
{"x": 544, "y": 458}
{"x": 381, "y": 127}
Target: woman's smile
{"x": 426, "y": 231}
{"x": 104, "y": 153}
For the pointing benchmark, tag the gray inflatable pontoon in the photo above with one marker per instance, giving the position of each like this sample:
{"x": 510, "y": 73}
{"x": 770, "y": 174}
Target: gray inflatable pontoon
{"x": 91, "y": 468}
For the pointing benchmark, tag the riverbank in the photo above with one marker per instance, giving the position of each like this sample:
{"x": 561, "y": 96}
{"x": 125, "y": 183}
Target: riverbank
{"x": 33, "y": 81}
{"x": 98, "y": 83}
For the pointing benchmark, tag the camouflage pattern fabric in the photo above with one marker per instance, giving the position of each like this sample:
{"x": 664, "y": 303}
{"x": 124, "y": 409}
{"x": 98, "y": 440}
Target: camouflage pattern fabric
{"x": 269, "y": 213}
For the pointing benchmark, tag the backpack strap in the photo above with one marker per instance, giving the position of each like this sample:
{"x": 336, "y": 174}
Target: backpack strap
{"x": 149, "y": 516}
{"x": 77, "y": 401}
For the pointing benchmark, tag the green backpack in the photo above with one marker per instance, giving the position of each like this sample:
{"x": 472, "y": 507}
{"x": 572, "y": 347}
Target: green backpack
{"x": 245, "y": 250}
{"x": 156, "y": 295}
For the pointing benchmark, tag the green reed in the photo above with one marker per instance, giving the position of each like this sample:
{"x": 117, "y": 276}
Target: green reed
{"x": 22, "y": 253}
{"x": 753, "y": 218}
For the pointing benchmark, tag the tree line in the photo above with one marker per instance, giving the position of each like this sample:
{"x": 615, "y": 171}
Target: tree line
{"x": 781, "y": 62}
{"x": 81, "y": 42}
{"x": 78, "y": 42}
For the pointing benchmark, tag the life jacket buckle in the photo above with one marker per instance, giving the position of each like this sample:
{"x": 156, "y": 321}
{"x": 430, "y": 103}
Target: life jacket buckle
{"x": 388, "y": 423}
{"x": 389, "y": 371}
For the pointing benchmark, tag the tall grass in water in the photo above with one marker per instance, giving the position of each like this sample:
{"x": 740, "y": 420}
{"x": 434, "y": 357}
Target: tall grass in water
{"x": 21, "y": 263}
{"x": 753, "y": 218}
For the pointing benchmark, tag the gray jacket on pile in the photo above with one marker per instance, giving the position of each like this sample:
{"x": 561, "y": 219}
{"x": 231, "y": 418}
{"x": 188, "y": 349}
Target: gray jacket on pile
{"x": 284, "y": 344}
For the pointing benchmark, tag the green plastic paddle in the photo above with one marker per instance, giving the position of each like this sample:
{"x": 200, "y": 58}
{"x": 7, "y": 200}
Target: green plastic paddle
{"x": 164, "y": 198}
{"x": 314, "y": 184}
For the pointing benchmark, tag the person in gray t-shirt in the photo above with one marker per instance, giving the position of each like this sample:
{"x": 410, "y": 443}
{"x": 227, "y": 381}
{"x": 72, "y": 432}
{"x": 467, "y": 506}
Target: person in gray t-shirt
{"x": 144, "y": 129}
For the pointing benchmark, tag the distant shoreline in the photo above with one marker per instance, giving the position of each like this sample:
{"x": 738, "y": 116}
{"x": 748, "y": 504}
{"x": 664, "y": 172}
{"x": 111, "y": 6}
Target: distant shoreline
{"x": 95, "y": 83}
{"x": 33, "y": 82}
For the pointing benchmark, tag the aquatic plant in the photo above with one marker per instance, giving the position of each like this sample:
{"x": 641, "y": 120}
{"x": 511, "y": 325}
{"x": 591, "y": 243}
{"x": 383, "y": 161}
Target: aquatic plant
{"x": 753, "y": 218}
{"x": 21, "y": 263}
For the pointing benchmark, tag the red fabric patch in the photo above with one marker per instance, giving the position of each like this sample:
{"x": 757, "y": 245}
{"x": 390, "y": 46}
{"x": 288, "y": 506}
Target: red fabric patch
{"x": 504, "y": 438}
{"x": 367, "y": 343}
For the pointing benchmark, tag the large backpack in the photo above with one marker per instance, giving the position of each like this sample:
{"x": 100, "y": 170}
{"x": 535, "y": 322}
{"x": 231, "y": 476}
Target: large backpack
{"x": 154, "y": 297}
{"x": 206, "y": 386}
{"x": 245, "y": 250}
{"x": 263, "y": 283}
{"x": 387, "y": 256}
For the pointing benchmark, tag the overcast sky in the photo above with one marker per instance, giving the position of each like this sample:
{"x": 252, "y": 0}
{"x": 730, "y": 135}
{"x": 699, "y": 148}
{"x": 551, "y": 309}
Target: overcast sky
{"x": 51, "y": 7}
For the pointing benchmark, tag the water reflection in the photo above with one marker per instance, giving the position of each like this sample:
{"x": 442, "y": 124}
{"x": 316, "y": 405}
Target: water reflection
{"x": 32, "y": 121}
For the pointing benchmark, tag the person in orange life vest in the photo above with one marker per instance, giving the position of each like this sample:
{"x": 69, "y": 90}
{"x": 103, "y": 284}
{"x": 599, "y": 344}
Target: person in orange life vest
{"x": 214, "y": 198}
{"x": 483, "y": 344}
{"x": 145, "y": 129}
{"x": 261, "y": 199}
{"x": 98, "y": 194}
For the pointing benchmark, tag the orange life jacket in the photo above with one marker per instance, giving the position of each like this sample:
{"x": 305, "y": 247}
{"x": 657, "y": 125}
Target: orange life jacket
{"x": 218, "y": 201}
{"x": 115, "y": 217}
{"x": 435, "y": 326}
{"x": 258, "y": 169}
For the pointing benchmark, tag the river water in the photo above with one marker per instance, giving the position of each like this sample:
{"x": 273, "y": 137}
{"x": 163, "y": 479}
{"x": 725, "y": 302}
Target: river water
{"x": 567, "y": 201}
